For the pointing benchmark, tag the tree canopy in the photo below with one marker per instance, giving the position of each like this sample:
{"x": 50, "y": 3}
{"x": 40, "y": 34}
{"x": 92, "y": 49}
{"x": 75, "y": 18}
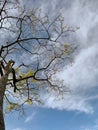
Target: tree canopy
{"x": 33, "y": 49}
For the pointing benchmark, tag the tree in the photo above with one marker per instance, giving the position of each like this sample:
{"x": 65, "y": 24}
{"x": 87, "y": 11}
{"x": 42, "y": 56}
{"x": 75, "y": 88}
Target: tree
{"x": 32, "y": 50}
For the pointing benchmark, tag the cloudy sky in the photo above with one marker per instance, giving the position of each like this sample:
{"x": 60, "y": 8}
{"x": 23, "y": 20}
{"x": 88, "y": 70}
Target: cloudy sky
{"x": 78, "y": 109}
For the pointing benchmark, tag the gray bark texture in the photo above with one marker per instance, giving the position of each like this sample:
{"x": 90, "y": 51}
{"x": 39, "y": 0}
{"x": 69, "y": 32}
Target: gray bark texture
{"x": 3, "y": 83}
{"x": 2, "y": 90}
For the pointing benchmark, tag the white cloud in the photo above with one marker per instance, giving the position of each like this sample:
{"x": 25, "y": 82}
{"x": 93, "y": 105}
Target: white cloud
{"x": 69, "y": 102}
{"x": 82, "y": 76}
{"x": 83, "y": 73}
{"x": 30, "y": 117}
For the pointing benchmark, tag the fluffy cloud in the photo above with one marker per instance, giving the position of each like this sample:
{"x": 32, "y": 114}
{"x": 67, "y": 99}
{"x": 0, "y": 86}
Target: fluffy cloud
{"x": 83, "y": 73}
{"x": 69, "y": 102}
{"x": 81, "y": 77}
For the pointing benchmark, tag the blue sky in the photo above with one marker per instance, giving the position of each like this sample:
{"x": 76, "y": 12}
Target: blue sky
{"x": 46, "y": 119}
{"x": 78, "y": 109}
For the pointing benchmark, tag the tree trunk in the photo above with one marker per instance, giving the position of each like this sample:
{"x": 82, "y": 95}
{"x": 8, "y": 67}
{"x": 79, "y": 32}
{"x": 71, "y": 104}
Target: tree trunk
{"x": 2, "y": 124}
{"x": 3, "y": 82}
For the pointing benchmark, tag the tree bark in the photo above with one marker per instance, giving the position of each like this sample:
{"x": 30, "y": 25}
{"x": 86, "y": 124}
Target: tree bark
{"x": 3, "y": 82}
{"x": 2, "y": 124}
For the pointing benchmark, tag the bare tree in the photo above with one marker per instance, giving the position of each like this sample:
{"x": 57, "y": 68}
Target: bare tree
{"x": 31, "y": 52}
